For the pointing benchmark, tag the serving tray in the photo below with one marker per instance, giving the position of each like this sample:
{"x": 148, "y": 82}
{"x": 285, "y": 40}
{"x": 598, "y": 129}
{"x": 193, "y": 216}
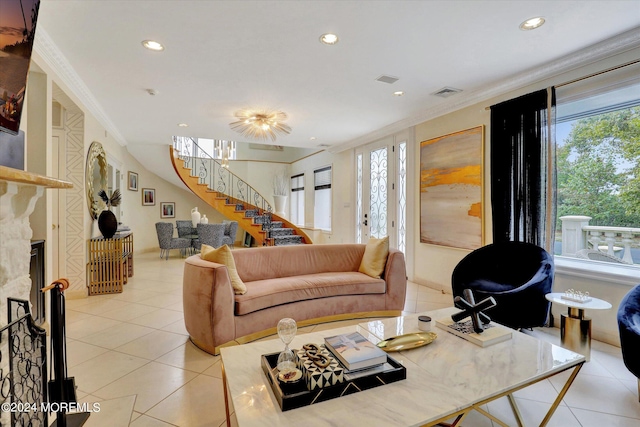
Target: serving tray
{"x": 296, "y": 395}
{"x": 407, "y": 341}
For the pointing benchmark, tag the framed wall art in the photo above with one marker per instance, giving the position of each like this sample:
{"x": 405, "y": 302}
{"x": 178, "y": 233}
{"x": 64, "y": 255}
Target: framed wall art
{"x": 148, "y": 197}
{"x": 132, "y": 179}
{"x": 167, "y": 210}
{"x": 451, "y": 189}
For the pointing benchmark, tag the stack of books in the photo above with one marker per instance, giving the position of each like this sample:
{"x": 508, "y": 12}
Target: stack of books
{"x": 355, "y": 352}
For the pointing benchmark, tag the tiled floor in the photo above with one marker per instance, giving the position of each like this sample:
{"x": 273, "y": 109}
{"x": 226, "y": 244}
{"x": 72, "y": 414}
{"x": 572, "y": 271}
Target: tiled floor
{"x": 130, "y": 352}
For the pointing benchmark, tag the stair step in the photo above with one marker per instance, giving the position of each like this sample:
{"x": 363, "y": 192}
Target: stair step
{"x": 274, "y": 224}
{"x": 251, "y": 213}
{"x": 287, "y": 240}
{"x": 281, "y": 232}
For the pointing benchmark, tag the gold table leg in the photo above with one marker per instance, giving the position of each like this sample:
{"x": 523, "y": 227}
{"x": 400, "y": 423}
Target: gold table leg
{"x": 575, "y": 332}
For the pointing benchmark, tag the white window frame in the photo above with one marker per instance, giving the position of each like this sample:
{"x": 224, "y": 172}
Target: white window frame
{"x": 317, "y": 208}
{"x": 297, "y": 200}
{"x": 589, "y": 269}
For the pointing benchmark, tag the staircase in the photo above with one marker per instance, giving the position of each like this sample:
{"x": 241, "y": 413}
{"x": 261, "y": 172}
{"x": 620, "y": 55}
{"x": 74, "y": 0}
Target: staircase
{"x": 231, "y": 196}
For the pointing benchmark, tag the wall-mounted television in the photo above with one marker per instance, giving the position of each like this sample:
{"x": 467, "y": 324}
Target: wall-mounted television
{"x": 17, "y": 31}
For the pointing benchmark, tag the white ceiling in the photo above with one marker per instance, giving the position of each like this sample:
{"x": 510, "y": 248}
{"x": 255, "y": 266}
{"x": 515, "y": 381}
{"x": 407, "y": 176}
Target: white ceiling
{"x": 222, "y": 56}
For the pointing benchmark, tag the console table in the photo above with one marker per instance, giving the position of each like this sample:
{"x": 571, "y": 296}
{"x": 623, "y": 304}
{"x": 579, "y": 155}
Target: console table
{"x": 110, "y": 263}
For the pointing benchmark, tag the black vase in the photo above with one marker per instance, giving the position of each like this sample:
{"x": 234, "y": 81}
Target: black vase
{"x": 107, "y": 223}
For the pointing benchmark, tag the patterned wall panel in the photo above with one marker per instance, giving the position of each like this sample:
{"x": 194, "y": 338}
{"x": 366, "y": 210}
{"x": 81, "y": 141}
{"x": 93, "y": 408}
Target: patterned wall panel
{"x": 75, "y": 204}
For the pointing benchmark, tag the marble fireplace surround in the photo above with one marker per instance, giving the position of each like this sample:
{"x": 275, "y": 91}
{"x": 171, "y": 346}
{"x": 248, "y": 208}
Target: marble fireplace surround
{"x": 19, "y": 191}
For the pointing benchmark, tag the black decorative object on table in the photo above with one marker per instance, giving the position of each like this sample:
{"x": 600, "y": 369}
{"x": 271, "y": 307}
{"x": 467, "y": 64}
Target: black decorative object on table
{"x": 107, "y": 221}
{"x": 473, "y": 310}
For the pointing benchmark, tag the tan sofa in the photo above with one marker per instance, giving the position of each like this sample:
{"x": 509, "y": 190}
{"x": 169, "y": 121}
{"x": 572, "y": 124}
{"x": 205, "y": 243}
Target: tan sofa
{"x": 309, "y": 283}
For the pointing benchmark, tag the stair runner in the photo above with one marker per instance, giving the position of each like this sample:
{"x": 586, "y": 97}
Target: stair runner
{"x": 278, "y": 234}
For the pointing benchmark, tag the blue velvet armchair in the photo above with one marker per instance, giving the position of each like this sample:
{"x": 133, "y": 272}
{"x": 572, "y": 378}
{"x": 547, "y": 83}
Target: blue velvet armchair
{"x": 517, "y": 275}
{"x": 629, "y": 326}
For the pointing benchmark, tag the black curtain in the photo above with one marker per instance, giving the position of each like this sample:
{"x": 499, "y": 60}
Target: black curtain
{"x": 523, "y": 169}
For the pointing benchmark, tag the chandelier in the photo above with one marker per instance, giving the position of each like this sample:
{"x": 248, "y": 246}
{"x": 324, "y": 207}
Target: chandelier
{"x": 260, "y": 124}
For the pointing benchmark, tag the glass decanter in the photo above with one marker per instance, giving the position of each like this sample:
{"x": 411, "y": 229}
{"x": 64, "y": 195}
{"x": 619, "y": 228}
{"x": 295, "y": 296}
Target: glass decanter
{"x": 287, "y": 329}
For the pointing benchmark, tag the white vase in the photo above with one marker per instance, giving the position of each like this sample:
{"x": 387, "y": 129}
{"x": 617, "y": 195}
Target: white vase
{"x": 195, "y": 217}
{"x": 279, "y": 203}
{"x": 204, "y": 220}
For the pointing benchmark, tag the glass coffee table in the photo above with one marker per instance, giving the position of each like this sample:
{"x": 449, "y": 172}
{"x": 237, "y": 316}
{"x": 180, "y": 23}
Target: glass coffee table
{"x": 446, "y": 379}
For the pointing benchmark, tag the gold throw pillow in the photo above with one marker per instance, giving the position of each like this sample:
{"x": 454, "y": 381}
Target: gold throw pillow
{"x": 375, "y": 257}
{"x": 223, "y": 255}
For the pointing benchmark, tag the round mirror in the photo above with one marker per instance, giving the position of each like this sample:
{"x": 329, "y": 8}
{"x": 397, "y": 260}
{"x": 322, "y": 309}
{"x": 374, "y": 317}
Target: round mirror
{"x": 96, "y": 177}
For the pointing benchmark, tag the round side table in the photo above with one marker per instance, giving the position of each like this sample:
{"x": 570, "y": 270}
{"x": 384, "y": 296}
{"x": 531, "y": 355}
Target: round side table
{"x": 575, "y": 327}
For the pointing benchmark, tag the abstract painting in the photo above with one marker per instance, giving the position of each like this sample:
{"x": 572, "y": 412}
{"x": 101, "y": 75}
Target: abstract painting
{"x": 451, "y": 190}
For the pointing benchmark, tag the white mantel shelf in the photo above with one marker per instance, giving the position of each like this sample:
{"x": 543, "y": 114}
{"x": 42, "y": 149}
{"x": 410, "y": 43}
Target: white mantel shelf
{"x": 23, "y": 177}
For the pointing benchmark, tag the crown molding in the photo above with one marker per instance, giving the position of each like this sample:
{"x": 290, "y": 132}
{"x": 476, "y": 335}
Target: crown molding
{"x": 55, "y": 59}
{"x": 599, "y": 51}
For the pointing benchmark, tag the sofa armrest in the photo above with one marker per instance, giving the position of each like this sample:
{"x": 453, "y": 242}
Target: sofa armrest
{"x": 208, "y": 301}
{"x": 395, "y": 276}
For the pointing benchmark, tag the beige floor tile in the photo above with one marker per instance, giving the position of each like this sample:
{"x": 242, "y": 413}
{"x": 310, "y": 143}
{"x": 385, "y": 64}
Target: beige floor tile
{"x": 475, "y": 419}
{"x": 101, "y": 306}
{"x": 429, "y": 306}
{"x": 199, "y": 402}
{"x": 104, "y": 369}
{"x": 176, "y": 307}
{"x": 214, "y": 370}
{"x": 177, "y": 328}
{"x": 72, "y": 316}
{"x": 145, "y": 421}
{"x": 158, "y": 318}
{"x": 541, "y": 391}
{"x": 598, "y": 419}
{"x": 596, "y": 394}
{"x": 153, "y": 345}
{"x": 189, "y": 357}
{"x": 532, "y": 413}
{"x": 115, "y": 412}
{"x": 135, "y": 415}
{"x": 632, "y": 386}
{"x": 72, "y": 304}
{"x": 129, "y": 312}
{"x": 117, "y": 335}
{"x": 151, "y": 383}
{"x": 79, "y": 352}
{"x": 432, "y": 295}
{"x": 614, "y": 364}
{"x": 90, "y": 326}
{"x": 162, "y": 300}
{"x": 135, "y": 295}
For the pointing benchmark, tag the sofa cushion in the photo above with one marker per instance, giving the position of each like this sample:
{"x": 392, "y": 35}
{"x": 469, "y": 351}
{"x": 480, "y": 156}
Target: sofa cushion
{"x": 375, "y": 257}
{"x": 223, "y": 255}
{"x": 271, "y": 292}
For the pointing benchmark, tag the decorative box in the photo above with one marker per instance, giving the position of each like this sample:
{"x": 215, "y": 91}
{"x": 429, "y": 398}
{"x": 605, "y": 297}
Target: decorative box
{"x": 316, "y": 377}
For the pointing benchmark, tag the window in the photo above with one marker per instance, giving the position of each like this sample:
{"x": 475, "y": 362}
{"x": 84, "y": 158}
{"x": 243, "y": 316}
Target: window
{"x": 297, "y": 199}
{"x": 598, "y": 162}
{"x": 322, "y": 198}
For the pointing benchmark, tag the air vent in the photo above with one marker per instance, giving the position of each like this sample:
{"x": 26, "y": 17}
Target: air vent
{"x": 387, "y": 79}
{"x": 446, "y": 92}
{"x": 324, "y": 145}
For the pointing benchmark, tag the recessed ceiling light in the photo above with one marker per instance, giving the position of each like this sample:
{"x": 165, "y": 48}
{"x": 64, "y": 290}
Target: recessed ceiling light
{"x": 532, "y": 24}
{"x": 398, "y": 93}
{"x": 329, "y": 38}
{"x": 152, "y": 45}
{"x": 313, "y": 138}
{"x": 183, "y": 125}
